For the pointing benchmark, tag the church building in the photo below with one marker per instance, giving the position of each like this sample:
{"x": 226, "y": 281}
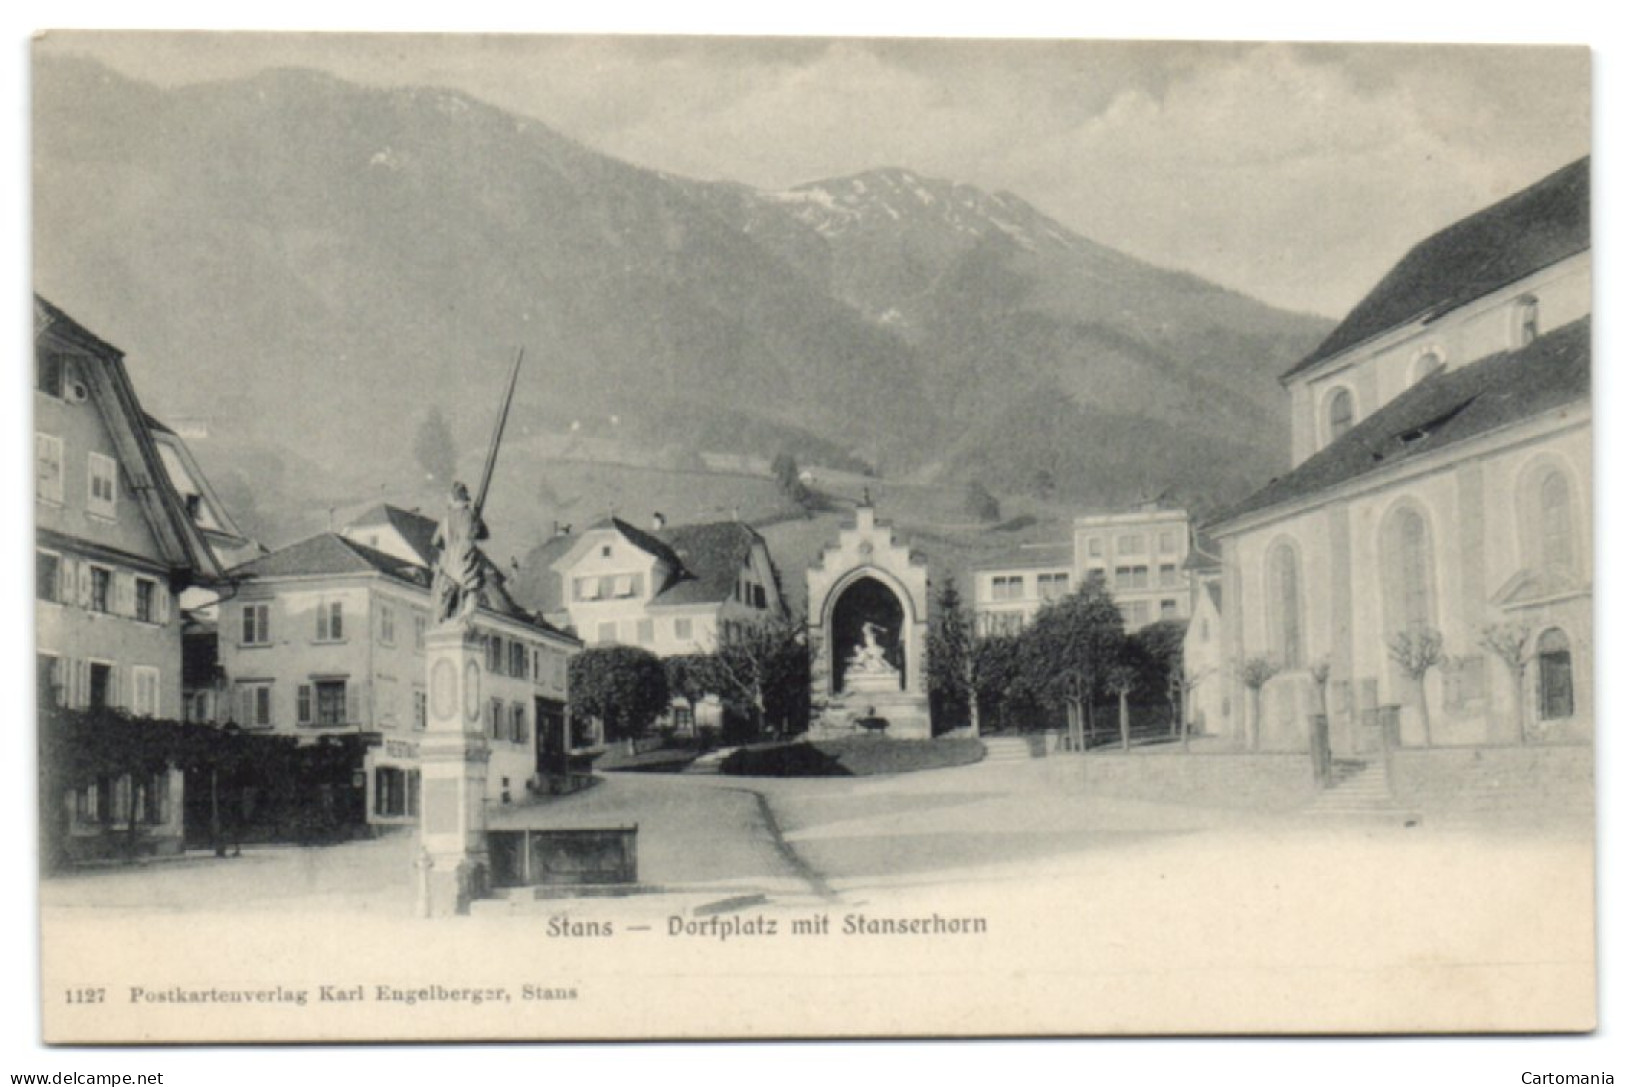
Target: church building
{"x": 1422, "y": 574}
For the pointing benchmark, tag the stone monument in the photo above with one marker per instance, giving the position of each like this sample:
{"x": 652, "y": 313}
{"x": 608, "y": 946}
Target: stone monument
{"x": 868, "y": 603}
{"x": 453, "y": 858}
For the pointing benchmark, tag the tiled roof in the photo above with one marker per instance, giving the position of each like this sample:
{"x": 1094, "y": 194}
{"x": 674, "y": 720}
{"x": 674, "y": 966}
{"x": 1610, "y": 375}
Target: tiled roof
{"x": 1488, "y": 250}
{"x": 1448, "y": 407}
{"x": 653, "y": 544}
{"x": 330, "y": 553}
{"x": 710, "y": 557}
{"x": 417, "y": 529}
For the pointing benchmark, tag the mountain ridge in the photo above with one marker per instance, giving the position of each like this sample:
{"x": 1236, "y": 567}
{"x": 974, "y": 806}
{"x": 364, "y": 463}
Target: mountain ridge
{"x": 248, "y": 239}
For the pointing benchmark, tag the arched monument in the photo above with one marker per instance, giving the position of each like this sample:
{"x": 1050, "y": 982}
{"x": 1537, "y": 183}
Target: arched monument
{"x": 868, "y": 601}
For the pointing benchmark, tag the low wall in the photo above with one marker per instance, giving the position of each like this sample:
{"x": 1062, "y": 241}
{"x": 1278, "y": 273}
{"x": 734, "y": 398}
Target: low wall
{"x": 1554, "y": 778}
{"x": 1262, "y": 782}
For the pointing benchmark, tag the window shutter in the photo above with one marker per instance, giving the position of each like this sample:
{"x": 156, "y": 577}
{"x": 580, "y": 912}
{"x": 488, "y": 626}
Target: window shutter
{"x": 304, "y": 704}
{"x": 161, "y": 607}
{"x": 123, "y": 594}
{"x": 66, "y": 589}
{"x": 84, "y": 584}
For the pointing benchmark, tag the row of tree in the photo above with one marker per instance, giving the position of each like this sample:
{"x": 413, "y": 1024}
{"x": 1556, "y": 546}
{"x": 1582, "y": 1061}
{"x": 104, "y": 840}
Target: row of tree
{"x": 760, "y": 672}
{"x": 1075, "y": 657}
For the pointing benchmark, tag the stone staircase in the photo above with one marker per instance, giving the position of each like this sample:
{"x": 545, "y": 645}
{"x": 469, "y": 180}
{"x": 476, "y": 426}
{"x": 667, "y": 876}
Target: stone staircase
{"x": 1009, "y": 748}
{"x": 1359, "y": 791}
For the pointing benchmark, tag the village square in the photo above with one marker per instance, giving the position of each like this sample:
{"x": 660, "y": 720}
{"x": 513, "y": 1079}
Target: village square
{"x": 522, "y": 661}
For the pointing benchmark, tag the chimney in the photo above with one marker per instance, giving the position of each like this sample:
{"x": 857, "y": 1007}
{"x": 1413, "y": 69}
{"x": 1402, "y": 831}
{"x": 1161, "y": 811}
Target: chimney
{"x": 659, "y": 520}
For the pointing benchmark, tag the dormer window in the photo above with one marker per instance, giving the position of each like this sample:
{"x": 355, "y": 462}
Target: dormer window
{"x": 1525, "y": 321}
{"x": 1427, "y": 364}
{"x": 1339, "y": 414}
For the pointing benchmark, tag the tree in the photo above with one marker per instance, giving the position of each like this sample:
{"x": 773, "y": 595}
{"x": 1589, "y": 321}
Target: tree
{"x": 1066, "y": 651}
{"x": 1417, "y": 652}
{"x": 1254, "y": 673}
{"x": 434, "y": 448}
{"x": 765, "y": 667}
{"x": 1121, "y": 680}
{"x": 622, "y": 686}
{"x": 980, "y": 503}
{"x": 1160, "y": 658}
{"x": 1510, "y": 642}
{"x": 966, "y": 668}
{"x": 787, "y": 474}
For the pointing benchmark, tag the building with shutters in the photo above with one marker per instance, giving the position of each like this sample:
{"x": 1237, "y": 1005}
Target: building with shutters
{"x": 673, "y": 590}
{"x": 326, "y": 637}
{"x": 115, "y": 546}
{"x": 1440, "y": 490}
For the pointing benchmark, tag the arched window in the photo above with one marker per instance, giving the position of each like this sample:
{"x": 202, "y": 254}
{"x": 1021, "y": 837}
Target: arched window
{"x": 1556, "y": 675}
{"x": 1407, "y": 563}
{"x": 1556, "y": 524}
{"x": 1525, "y": 320}
{"x": 1285, "y": 606}
{"x": 1426, "y": 365}
{"x": 1546, "y": 517}
{"x": 1339, "y": 414}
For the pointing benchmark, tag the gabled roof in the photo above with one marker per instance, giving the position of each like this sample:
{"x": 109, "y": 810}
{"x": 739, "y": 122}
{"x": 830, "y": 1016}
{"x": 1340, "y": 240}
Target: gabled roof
{"x": 642, "y": 540}
{"x": 180, "y": 541}
{"x": 708, "y": 557}
{"x": 1482, "y": 253}
{"x": 1439, "y": 411}
{"x": 702, "y": 562}
{"x": 415, "y": 528}
{"x": 331, "y": 554}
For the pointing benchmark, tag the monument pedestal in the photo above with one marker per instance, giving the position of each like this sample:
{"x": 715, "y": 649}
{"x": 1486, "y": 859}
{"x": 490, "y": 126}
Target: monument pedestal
{"x": 454, "y": 755}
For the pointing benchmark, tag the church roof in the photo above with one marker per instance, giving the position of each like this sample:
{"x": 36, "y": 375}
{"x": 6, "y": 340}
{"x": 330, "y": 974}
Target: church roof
{"x": 1484, "y": 252}
{"x": 1440, "y": 411}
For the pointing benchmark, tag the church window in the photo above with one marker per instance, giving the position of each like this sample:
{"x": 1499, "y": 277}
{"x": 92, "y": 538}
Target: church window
{"x": 1286, "y": 609}
{"x": 1339, "y": 414}
{"x": 1556, "y": 675}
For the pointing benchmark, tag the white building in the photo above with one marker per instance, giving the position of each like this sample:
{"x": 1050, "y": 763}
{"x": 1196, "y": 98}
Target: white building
{"x": 1008, "y": 590}
{"x": 1441, "y": 487}
{"x": 673, "y": 590}
{"x": 1140, "y": 556}
{"x": 326, "y": 637}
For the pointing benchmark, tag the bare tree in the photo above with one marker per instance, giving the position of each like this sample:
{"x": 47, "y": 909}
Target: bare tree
{"x": 1510, "y": 642}
{"x": 1418, "y": 652}
{"x": 1120, "y": 681}
{"x": 1254, "y": 672}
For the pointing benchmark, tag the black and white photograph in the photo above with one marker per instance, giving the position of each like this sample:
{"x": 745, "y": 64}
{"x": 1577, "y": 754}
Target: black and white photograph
{"x": 585, "y": 537}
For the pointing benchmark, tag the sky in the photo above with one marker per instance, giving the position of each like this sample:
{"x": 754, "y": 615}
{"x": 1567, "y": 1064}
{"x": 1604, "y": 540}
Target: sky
{"x": 1295, "y": 173}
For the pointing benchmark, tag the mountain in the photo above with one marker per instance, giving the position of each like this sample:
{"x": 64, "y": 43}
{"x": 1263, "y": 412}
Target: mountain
{"x": 307, "y": 264}
{"x": 1004, "y": 300}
